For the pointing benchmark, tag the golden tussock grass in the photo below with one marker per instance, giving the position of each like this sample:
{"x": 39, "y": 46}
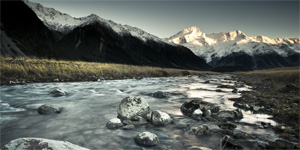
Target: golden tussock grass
{"x": 286, "y": 74}
{"x": 45, "y": 70}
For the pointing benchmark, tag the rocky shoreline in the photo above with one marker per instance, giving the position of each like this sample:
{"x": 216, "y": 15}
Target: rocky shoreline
{"x": 279, "y": 98}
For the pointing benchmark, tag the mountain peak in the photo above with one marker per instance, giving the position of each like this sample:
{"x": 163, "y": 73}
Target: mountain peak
{"x": 192, "y": 29}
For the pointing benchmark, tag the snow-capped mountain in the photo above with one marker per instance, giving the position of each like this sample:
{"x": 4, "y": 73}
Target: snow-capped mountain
{"x": 44, "y": 32}
{"x": 217, "y": 46}
{"x": 64, "y": 23}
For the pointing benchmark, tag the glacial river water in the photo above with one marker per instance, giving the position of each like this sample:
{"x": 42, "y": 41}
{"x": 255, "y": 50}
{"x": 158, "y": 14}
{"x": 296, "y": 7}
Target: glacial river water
{"x": 89, "y": 105}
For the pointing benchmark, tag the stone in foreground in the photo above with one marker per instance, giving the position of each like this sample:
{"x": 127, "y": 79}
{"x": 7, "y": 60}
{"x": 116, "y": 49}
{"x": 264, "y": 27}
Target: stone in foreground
{"x": 58, "y": 92}
{"x": 147, "y": 139}
{"x": 114, "y": 123}
{"x": 229, "y": 143}
{"x": 48, "y": 109}
{"x": 40, "y": 144}
{"x": 230, "y": 115}
{"x": 132, "y": 106}
{"x": 197, "y": 114}
{"x": 188, "y": 108}
{"x": 160, "y": 118}
{"x": 202, "y": 129}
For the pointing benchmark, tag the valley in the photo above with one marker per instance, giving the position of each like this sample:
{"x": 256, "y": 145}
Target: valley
{"x": 85, "y": 82}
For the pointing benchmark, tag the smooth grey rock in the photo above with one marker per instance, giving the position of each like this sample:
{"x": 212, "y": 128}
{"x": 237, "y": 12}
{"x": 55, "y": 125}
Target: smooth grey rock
{"x": 226, "y": 114}
{"x": 197, "y": 114}
{"x": 58, "y": 92}
{"x": 202, "y": 129}
{"x": 238, "y": 114}
{"x": 229, "y": 126}
{"x": 189, "y": 107}
{"x": 114, "y": 123}
{"x": 206, "y": 113}
{"x": 230, "y": 115}
{"x": 159, "y": 94}
{"x": 256, "y": 109}
{"x": 147, "y": 139}
{"x": 132, "y": 106}
{"x": 40, "y": 144}
{"x": 229, "y": 143}
{"x": 234, "y": 90}
{"x": 159, "y": 118}
{"x": 48, "y": 109}
{"x": 265, "y": 125}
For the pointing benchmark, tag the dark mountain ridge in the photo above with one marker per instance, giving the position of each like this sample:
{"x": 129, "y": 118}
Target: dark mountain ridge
{"x": 91, "y": 42}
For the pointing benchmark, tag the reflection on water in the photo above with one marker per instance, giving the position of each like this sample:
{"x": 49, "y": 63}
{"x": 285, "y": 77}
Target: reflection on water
{"x": 89, "y": 105}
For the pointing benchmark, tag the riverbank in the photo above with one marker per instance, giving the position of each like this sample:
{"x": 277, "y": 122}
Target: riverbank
{"x": 276, "y": 92}
{"x": 32, "y": 70}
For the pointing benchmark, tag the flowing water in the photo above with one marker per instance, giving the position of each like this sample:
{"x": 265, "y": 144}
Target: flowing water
{"x": 89, "y": 105}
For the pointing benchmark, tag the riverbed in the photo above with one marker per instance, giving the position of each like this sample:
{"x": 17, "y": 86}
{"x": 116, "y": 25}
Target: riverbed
{"x": 89, "y": 105}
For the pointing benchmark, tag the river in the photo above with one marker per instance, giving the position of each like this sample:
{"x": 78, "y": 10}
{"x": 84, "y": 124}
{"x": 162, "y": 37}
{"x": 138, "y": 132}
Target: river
{"x": 89, "y": 105}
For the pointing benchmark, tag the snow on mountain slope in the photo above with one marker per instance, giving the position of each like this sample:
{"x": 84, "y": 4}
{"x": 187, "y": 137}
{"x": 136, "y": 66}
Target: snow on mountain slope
{"x": 218, "y": 45}
{"x": 64, "y": 23}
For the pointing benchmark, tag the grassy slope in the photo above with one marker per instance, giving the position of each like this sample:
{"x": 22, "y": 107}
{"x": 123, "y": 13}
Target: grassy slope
{"x": 44, "y": 70}
{"x": 270, "y": 89}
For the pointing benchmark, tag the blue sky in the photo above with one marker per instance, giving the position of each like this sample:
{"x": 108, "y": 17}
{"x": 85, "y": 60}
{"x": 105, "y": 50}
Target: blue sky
{"x": 165, "y": 18}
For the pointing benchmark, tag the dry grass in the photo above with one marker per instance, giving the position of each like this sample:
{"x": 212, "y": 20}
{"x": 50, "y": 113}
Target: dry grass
{"x": 286, "y": 74}
{"x": 45, "y": 70}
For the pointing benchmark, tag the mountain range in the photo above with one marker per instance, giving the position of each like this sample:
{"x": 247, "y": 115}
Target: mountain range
{"x": 35, "y": 30}
{"x": 235, "y": 48}
{"x": 39, "y": 31}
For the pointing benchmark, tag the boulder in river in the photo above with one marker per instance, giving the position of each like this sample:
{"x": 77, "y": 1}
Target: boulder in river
{"x": 202, "y": 129}
{"x": 197, "y": 114}
{"x": 114, "y": 123}
{"x": 58, "y": 92}
{"x": 188, "y": 108}
{"x": 40, "y": 144}
{"x": 48, "y": 109}
{"x": 229, "y": 126}
{"x": 229, "y": 143}
{"x": 147, "y": 139}
{"x": 230, "y": 114}
{"x": 160, "y": 118}
{"x": 132, "y": 106}
{"x": 226, "y": 115}
{"x": 206, "y": 113}
{"x": 159, "y": 94}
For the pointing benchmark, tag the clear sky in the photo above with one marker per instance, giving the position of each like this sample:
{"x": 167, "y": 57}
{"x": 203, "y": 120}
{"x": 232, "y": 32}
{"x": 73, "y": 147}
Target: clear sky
{"x": 270, "y": 18}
